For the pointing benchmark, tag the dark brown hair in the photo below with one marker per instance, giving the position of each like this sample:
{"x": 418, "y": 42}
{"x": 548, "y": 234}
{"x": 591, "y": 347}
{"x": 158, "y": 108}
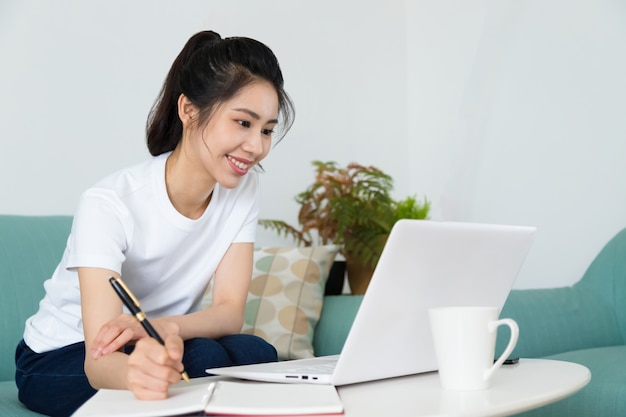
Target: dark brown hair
{"x": 208, "y": 71}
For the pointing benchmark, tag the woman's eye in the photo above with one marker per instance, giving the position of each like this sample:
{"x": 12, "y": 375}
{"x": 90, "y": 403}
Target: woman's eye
{"x": 244, "y": 123}
{"x": 267, "y": 132}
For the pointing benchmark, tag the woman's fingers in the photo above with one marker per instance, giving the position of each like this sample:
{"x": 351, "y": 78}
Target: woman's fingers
{"x": 113, "y": 335}
{"x": 153, "y": 367}
{"x": 175, "y": 347}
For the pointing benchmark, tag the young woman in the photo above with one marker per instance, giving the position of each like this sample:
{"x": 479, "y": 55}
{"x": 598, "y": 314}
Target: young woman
{"x": 167, "y": 227}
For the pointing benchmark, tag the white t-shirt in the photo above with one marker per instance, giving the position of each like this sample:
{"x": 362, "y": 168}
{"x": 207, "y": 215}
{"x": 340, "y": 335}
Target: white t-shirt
{"x": 126, "y": 223}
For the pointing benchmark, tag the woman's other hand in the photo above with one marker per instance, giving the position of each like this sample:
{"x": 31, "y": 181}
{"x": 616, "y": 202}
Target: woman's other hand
{"x": 115, "y": 334}
{"x": 123, "y": 330}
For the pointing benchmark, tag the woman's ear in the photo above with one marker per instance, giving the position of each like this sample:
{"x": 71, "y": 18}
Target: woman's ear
{"x": 187, "y": 111}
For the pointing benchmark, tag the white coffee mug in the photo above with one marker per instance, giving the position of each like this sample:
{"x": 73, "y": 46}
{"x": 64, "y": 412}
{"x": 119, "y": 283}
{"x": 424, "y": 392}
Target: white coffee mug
{"x": 465, "y": 343}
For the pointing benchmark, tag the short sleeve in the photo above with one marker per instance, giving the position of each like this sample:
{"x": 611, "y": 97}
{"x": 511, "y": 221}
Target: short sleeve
{"x": 100, "y": 232}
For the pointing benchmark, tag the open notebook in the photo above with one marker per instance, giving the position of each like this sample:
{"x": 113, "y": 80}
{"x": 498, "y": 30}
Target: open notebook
{"x": 424, "y": 264}
{"x": 215, "y": 396}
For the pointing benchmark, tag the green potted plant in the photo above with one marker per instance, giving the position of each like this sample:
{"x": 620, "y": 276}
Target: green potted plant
{"x": 349, "y": 206}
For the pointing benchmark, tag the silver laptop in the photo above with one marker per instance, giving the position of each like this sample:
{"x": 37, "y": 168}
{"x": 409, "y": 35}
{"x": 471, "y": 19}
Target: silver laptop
{"x": 424, "y": 264}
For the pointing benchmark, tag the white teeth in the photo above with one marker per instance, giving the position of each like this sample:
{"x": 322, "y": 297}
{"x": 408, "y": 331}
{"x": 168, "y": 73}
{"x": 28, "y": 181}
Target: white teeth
{"x": 239, "y": 164}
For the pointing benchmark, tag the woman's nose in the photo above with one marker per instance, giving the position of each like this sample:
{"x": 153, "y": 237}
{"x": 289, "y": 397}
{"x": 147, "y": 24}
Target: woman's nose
{"x": 254, "y": 144}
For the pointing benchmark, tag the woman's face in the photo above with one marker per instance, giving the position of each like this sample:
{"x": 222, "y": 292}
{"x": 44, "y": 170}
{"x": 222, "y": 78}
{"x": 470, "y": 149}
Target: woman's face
{"x": 238, "y": 134}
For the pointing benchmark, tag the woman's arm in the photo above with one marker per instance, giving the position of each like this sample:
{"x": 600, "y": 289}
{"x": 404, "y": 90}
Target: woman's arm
{"x": 100, "y": 305}
{"x": 150, "y": 369}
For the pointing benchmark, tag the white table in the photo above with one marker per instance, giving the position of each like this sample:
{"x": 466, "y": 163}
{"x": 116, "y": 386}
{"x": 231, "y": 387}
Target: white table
{"x": 530, "y": 384}
{"x": 515, "y": 388}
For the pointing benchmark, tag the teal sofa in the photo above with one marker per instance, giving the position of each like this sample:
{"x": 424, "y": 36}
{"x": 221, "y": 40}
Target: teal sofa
{"x": 585, "y": 323}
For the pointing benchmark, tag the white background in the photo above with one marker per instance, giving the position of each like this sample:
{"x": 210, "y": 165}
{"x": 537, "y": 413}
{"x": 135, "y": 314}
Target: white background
{"x": 501, "y": 111}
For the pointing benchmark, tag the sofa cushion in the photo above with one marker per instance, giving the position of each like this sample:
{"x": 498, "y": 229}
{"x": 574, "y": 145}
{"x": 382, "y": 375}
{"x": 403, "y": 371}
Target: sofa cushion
{"x": 30, "y": 249}
{"x": 286, "y": 297}
{"x": 555, "y": 320}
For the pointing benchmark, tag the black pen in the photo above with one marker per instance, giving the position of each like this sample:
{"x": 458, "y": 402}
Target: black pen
{"x": 131, "y": 302}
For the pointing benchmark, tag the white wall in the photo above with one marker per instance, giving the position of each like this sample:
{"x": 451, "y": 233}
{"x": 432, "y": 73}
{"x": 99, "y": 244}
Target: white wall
{"x": 498, "y": 110}
{"x": 78, "y": 79}
{"x": 517, "y": 116}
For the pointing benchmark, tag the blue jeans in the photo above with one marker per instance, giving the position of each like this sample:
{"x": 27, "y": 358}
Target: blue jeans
{"x": 54, "y": 383}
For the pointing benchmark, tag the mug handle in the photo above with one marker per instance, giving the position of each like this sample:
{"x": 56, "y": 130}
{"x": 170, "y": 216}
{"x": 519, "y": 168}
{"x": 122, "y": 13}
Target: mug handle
{"x": 493, "y": 326}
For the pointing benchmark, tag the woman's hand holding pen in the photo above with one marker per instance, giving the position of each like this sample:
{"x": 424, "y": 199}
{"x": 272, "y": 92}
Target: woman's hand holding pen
{"x": 152, "y": 367}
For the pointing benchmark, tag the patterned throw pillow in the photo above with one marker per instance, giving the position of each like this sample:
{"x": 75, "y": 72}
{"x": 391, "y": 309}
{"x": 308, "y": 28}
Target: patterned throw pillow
{"x": 286, "y": 295}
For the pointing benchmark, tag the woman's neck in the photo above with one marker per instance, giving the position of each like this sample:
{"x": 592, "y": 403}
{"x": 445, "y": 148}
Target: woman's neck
{"x": 188, "y": 192}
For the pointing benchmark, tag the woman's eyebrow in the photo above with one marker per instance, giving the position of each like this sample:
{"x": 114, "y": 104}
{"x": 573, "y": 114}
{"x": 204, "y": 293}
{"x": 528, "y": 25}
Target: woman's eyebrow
{"x": 254, "y": 115}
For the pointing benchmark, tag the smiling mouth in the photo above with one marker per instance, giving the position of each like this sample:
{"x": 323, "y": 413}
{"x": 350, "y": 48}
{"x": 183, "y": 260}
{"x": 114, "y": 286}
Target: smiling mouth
{"x": 241, "y": 165}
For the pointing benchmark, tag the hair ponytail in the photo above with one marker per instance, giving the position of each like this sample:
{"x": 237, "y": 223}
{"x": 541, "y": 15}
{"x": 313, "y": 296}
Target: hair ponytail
{"x": 164, "y": 128}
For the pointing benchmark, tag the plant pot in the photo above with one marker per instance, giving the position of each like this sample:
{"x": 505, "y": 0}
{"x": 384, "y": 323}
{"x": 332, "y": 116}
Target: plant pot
{"x": 359, "y": 275}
